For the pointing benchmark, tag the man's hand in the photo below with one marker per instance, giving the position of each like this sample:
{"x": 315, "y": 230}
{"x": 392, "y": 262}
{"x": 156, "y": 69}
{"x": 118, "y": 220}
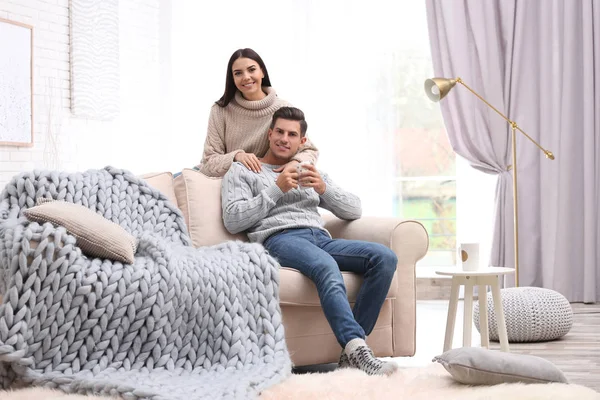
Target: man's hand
{"x": 288, "y": 179}
{"x": 310, "y": 177}
{"x": 249, "y": 160}
{"x": 292, "y": 163}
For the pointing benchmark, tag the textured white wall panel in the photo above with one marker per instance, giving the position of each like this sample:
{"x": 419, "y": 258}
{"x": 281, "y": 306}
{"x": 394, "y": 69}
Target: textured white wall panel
{"x": 95, "y": 59}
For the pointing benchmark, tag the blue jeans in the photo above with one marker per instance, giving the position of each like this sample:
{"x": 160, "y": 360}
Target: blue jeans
{"x": 312, "y": 252}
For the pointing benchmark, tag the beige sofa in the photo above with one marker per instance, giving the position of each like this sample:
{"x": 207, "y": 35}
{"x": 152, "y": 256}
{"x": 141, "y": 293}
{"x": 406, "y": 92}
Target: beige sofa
{"x": 308, "y": 335}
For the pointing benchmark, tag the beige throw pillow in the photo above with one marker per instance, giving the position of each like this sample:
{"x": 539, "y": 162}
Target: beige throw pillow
{"x": 199, "y": 199}
{"x": 163, "y": 182}
{"x": 95, "y": 235}
{"x": 479, "y": 366}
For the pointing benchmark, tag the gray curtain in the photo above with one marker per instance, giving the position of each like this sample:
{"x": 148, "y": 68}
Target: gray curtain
{"x": 538, "y": 62}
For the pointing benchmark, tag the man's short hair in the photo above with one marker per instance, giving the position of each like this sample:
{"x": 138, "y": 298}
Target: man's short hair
{"x": 291, "y": 114}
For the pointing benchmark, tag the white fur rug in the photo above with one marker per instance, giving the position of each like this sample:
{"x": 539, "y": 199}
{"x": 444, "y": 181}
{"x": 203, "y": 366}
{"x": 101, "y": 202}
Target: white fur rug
{"x": 428, "y": 383}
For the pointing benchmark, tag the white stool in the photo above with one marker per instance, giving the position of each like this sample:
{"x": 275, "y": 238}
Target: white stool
{"x": 482, "y": 278}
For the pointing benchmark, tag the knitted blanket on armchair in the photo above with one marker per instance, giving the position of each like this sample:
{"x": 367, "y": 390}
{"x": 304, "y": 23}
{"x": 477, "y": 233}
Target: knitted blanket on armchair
{"x": 179, "y": 323}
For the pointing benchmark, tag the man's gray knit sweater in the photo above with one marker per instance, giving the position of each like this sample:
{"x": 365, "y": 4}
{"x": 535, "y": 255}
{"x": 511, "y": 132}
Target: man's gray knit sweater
{"x": 253, "y": 202}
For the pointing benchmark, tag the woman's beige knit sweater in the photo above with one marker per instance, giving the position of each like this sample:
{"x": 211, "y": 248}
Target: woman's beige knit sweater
{"x": 242, "y": 126}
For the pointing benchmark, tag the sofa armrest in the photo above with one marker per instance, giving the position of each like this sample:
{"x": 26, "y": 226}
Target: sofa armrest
{"x": 407, "y": 238}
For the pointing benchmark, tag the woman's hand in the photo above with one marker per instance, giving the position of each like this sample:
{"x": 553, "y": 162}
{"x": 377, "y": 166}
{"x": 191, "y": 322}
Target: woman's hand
{"x": 249, "y": 160}
{"x": 292, "y": 163}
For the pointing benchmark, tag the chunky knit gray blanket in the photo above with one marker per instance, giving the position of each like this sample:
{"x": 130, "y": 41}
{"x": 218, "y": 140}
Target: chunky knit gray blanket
{"x": 180, "y": 323}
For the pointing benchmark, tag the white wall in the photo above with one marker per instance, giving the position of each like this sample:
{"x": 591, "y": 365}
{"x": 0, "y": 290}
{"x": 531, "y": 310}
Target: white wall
{"x": 134, "y": 140}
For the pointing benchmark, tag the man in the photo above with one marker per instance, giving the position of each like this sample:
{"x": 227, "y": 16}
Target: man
{"x": 280, "y": 211}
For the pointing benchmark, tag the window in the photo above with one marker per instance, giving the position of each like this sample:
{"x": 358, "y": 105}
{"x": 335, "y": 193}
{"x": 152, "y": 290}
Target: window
{"x": 425, "y": 170}
{"x": 425, "y": 164}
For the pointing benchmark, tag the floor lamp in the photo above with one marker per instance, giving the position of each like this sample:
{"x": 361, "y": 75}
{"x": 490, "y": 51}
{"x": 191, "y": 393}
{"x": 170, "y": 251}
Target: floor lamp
{"x": 436, "y": 89}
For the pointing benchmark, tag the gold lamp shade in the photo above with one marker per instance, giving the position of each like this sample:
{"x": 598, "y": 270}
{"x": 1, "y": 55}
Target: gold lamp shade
{"x": 437, "y": 88}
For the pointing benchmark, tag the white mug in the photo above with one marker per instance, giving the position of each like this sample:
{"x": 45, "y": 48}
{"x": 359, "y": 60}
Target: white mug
{"x": 300, "y": 168}
{"x": 468, "y": 256}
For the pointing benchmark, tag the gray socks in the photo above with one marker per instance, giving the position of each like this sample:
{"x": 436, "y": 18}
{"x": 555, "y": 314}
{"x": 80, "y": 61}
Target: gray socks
{"x": 344, "y": 361}
{"x": 360, "y": 356}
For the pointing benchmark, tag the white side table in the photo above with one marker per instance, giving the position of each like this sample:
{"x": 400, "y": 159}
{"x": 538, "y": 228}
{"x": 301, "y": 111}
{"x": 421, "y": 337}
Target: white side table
{"x": 482, "y": 277}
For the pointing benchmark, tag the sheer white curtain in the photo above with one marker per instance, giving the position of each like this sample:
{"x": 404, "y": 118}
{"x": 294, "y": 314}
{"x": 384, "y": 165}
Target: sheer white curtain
{"x": 337, "y": 60}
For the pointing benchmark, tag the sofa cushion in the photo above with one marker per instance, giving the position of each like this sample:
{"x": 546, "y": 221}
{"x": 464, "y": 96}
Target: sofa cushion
{"x": 95, "y": 235}
{"x": 199, "y": 199}
{"x": 163, "y": 182}
{"x": 297, "y": 289}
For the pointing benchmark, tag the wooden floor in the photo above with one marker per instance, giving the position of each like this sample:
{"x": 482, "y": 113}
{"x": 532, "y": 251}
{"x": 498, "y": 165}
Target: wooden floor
{"x": 577, "y": 354}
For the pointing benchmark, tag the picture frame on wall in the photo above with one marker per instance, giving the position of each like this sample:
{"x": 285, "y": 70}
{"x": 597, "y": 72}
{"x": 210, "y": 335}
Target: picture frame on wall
{"x": 16, "y": 83}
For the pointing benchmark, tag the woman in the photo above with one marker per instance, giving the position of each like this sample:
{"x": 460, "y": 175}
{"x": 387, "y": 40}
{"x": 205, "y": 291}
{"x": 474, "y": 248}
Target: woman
{"x": 240, "y": 119}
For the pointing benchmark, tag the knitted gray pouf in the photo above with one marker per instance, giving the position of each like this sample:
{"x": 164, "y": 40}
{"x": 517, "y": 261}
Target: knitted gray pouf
{"x": 532, "y": 315}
